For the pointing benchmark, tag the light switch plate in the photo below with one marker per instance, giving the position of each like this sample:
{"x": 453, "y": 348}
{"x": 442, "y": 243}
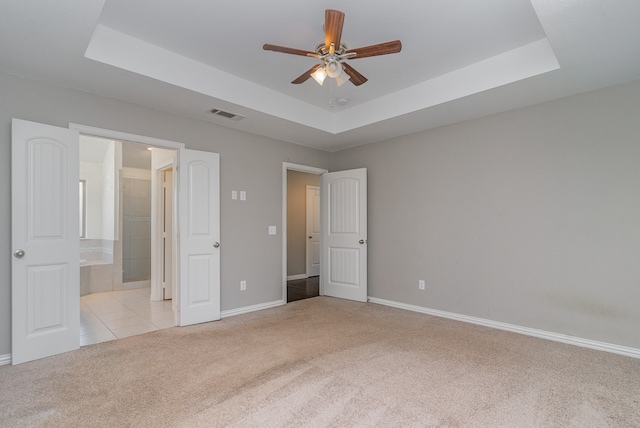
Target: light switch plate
{"x": 234, "y": 194}
{"x": 272, "y": 230}
{"x": 243, "y": 195}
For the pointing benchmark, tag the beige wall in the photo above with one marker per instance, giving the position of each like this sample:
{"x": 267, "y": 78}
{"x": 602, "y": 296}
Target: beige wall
{"x": 297, "y": 183}
{"x": 247, "y": 162}
{"x": 530, "y": 217}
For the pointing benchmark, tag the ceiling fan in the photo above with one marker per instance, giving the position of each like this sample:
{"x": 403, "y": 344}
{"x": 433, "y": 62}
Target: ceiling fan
{"x": 333, "y": 53}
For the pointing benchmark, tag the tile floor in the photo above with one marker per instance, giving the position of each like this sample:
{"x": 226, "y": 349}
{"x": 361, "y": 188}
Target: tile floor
{"x": 117, "y": 314}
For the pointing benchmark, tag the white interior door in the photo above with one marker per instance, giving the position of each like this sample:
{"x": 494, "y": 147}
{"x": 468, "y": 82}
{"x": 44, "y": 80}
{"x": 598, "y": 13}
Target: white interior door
{"x": 313, "y": 231}
{"x": 344, "y": 234}
{"x": 45, "y": 269}
{"x": 199, "y": 217}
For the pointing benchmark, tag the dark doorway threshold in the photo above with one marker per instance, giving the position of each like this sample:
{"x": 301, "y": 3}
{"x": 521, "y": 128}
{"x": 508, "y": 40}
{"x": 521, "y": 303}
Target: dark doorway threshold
{"x": 299, "y": 289}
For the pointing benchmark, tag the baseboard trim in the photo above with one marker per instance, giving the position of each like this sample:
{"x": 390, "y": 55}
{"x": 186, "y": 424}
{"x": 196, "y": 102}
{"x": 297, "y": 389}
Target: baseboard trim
{"x": 295, "y": 277}
{"x": 542, "y": 334}
{"x": 252, "y": 308}
{"x": 5, "y": 360}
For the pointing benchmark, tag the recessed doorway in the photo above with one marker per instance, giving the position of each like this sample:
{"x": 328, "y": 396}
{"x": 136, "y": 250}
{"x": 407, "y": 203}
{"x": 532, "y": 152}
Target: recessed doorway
{"x": 126, "y": 245}
{"x": 301, "y": 226}
{"x": 52, "y": 206}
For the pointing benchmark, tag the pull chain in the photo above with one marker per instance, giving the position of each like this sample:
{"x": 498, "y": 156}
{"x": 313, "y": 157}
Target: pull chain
{"x": 331, "y": 93}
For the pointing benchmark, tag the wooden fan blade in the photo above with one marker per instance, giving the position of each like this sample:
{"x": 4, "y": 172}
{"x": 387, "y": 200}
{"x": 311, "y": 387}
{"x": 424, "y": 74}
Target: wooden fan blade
{"x": 292, "y": 51}
{"x": 375, "y": 50}
{"x": 306, "y": 75}
{"x": 356, "y": 78}
{"x": 333, "y": 22}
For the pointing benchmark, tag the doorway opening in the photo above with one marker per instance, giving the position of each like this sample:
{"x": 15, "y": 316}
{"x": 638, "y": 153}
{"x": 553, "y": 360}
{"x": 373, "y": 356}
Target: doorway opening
{"x": 45, "y": 199}
{"x": 301, "y": 232}
{"x": 126, "y": 248}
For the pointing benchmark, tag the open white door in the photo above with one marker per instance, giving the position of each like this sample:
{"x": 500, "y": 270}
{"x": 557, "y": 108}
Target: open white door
{"x": 199, "y": 217}
{"x": 313, "y": 231}
{"x": 45, "y": 269}
{"x": 344, "y": 234}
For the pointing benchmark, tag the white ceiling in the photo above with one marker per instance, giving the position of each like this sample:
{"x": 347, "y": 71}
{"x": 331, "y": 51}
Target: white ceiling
{"x": 461, "y": 59}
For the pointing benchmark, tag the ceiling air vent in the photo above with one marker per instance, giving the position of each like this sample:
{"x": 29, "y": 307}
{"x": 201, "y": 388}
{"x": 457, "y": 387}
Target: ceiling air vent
{"x": 227, "y": 114}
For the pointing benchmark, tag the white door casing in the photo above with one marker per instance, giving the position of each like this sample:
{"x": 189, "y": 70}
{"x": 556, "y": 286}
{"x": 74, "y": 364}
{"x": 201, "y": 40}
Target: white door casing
{"x": 167, "y": 234}
{"x": 344, "y": 234}
{"x": 313, "y": 231}
{"x": 199, "y": 217}
{"x": 163, "y": 160}
{"x": 45, "y": 283}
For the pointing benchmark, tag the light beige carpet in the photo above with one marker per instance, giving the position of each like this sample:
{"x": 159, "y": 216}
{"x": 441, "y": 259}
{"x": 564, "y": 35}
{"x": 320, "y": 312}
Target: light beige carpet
{"x": 325, "y": 362}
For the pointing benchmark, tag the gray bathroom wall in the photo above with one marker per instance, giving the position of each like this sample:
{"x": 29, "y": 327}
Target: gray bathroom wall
{"x": 136, "y": 229}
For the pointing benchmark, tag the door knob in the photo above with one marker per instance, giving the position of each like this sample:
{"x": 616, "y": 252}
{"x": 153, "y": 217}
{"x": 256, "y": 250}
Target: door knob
{"x": 216, "y": 244}
{"x": 19, "y": 254}
{"x": 362, "y": 241}
{"x": 310, "y": 237}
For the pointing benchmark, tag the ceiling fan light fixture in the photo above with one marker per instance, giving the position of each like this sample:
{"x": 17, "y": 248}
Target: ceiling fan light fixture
{"x": 333, "y": 52}
{"x": 342, "y": 79}
{"x": 319, "y": 75}
{"x": 334, "y": 68}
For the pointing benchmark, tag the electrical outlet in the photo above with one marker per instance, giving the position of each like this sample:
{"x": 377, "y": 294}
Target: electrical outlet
{"x": 421, "y": 284}
{"x": 243, "y": 285}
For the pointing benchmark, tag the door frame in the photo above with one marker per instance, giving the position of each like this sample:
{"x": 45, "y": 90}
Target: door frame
{"x": 286, "y": 166}
{"x": 309, "y": 216}
{"x": 151, "y": 141}
{"x": 157, "y": 214}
